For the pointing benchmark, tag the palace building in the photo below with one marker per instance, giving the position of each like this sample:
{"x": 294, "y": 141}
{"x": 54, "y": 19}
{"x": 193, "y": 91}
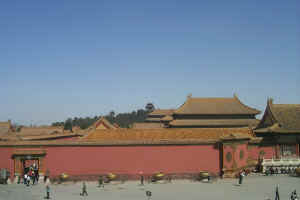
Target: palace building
{"x": 280, "y": 126}
{"x": 206, "y": 113}
{"x": 205, "y": 134}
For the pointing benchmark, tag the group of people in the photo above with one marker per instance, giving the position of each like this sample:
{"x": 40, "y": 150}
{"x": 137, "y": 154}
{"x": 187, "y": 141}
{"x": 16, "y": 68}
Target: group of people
{"x": 294, "y": 195}
{"x": 31, "y": 174}
{"x": 275, "y": 170}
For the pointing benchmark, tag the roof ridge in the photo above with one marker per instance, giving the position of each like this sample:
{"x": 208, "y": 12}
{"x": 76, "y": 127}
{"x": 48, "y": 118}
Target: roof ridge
{"x": 274, "y": 117}
{"x": 248, "y": 107}
{"x": 180, "y": 107}
{"x": 211, "y": 98}
{"x": 221, "y": 101}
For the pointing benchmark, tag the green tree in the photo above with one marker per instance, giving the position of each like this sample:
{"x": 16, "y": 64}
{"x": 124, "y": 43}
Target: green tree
{"x": 68, "y": 124}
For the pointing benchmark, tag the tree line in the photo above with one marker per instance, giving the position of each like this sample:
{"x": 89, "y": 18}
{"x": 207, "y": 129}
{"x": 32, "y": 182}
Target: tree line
{"x": 124, "y": 120}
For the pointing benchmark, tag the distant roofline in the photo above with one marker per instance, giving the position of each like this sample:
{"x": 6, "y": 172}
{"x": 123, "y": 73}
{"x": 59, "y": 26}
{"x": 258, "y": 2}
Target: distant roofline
{"x": 189, "y": 98}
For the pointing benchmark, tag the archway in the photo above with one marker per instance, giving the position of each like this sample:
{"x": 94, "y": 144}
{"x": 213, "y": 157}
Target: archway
{"x": 24, "y": 158}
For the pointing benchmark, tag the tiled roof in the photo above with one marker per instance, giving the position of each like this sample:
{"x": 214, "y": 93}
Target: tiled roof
{"x": 236, "y": 136}
{"x": 12, "y": 136}
{"x": 285, "y": 118}
{"x": 5, "y": 127}
{"x": 123, "y": 137}
{"x": 104, "y": 122}
{"x": 116, "y": 125}
{"x": 214, "y": 122}
{"x": 287, "y": 115}
{"x": 51, "y": 137}
{"x": 161, "y": 112}
{"x": 29, "y": 152}
{"x": 165, "y": 134}
{"x": 152, "y": 119}
{"x": 167, "y": 118}
{"x": 147, "y": 125}
{"x": 40, "y": 130}
{"x": 215, "y": 106}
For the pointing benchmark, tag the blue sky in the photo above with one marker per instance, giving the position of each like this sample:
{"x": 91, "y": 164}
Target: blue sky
{"x": 67, "y": 58}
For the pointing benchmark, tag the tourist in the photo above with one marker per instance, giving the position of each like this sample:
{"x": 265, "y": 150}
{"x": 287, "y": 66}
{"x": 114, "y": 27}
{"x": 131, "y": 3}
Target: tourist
{"x": 294, "y": 195}
{"x": 148, "y": 194}
{"x": 277, "y": 197}
{"x": 24, "y": 178}
{"x": 169, "y": 178}
{"x": 84, "y": 192}
{"x": 37, "y": 176}
{"x": 272, "y": 170}
{"x": 27, "y": 180}
{"x": 36, "y": 173}
{"x": 30, "y": 174}
{"x": 142, "y": 180}
{"x": 241, "y": 176}
{"x": 34, "y": 166}
{"x": 33, "y": 177}
{"x": 47, "y": 191}
{"x": 47, "y": 174}
{"x": 100, "y": 182}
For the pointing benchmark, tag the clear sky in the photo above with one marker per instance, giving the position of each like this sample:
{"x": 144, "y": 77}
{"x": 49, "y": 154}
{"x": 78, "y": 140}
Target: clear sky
{"x": 67, "y": 58}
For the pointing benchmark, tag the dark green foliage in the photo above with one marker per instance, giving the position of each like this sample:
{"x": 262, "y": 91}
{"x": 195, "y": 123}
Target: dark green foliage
{"x": 124, "y": 120}
{"x": 58, "y": 124}
{"x": 68, "y": 124}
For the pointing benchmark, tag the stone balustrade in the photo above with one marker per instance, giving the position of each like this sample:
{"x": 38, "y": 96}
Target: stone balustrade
{"x": 282, "y": 164}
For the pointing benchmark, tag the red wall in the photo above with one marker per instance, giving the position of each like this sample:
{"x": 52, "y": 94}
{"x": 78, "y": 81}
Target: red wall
{"x": 241, "y": 161}
{"x": 5, "y": 158}
{"x": 236, "y": 161}
{"x": 254, "y": 151}
{"x": 131, "y": 159}
{"x": 86, "y": 160}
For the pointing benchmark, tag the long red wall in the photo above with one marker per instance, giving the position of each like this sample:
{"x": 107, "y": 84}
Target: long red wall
{"x": 132, "y": 159}
{"x": 5, "y": 159}
{"x": 86, "y": 160}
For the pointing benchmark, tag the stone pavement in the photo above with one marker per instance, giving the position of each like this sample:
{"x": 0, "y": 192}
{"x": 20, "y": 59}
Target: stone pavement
{"x": 254, "y": 187}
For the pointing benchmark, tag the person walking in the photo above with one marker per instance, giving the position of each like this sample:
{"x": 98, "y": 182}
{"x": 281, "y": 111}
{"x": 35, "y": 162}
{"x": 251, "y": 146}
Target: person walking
{"x": 294, "y": 195}
{"x": 25, "y": 179}
{"x": 47, "y": 191}
{"x": 47, "y": 174}
{"x": 36, "y": 173}
{"x": 33, "y": 177}
{"x": 142, "y": 180}
{"x": 241, "y": 176}
{"x": 84, "y": 192}
{"x": 148, "y": 194}
{"x": 100, "y": 182}
{"x": 277, "y": 197}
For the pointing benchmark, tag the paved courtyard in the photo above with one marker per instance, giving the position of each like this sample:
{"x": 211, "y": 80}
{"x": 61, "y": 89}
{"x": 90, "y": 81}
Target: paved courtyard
{"x": 254, "y": 187}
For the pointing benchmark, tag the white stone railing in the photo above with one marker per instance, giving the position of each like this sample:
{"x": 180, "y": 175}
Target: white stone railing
{"x": 282, "y": 163}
